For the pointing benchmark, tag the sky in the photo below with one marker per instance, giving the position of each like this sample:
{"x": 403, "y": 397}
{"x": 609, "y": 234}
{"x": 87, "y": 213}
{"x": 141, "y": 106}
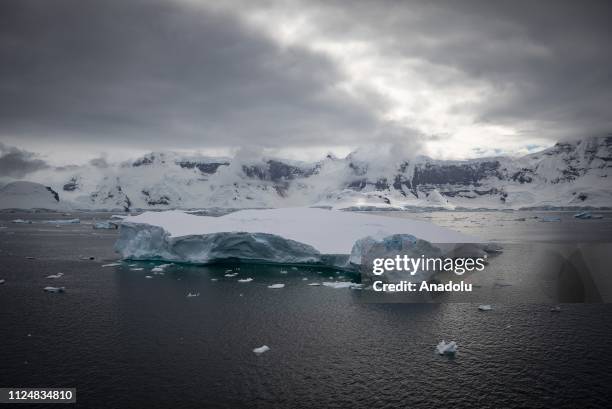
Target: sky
{"x": 448, "y": 79}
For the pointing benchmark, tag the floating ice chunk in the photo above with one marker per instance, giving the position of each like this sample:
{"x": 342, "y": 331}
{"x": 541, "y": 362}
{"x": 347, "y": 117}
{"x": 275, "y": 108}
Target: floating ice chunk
{"x": 21, "y": 221}
{"x": 245, "y": 280}
{"x": 229, "y": 271}
{"x": 2, "y": 281}
{"x": 447, "y": 348}
{"x": 314, "y": 284}
{"x": 294, "y": 268}
{"x": 231, "y": 274}
{"x": 550, "y": 219}
{"x": 118, "y": 216}
{"x": 63, "y": 221}
{"x": 260, "y": 350}
{"x": 214, "y": 279}
{"x": 485, "y": 307}
{"x": 276, "y": 286}
{"x": 190, "y": 294}
{"x": 304, "y": 279}
{"x": 160, "y": 268}
{"x": 341, "y": 284}
{"x": 284, "y": 272}
{"x": 556, "y": 309}
{"x": 111, "y": 265}
{"x": 587, "y": 215}
{"x": 148, "y": 276}
{"x": 55, "y": 276}
{"x": 55, "y": 289}
{"x": 136, "y": 269}
{"x": 105, "y": 225}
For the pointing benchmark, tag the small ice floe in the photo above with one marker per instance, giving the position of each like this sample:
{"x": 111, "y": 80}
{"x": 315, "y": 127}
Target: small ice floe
{"x": 294, "y": 268}
{"x": 160, "y": 268}
{"x": 55, "y": 276}
{"x": 63, "y": 221}
{"x": 132, "y": 265}
{"x": 338, "y": 284}
{"x": 105, "y": 225}
{"x": 148, "y": 276}
{"x": 556, "y": 308}
{"x": 214, "y": 279}
{"x": 2, "y": 281}
{"x": 260, "y": 350}
{"x": 587, "y": 215}
{"x": 231, "y": 274}
{"x": 137, "y": 269}
{"x": 314, "y": 284}
{"x": 229, "y": 271}
{"x": 284, "y": 272}
{"x": 21, "y": 221}
{"x": 550, "y": 219}
{"x": 190, "y": 294}
{"x": 118, "y": 216}
{"x": 485, "y": 307}
{"x": 111, "y": 265}
{"x": 449, "y": 348}
{"x": 304, "y": 279}
{"x": 276, "y": 286}
{"x": 245, "y": 280}
{"x": 55, "y": 289}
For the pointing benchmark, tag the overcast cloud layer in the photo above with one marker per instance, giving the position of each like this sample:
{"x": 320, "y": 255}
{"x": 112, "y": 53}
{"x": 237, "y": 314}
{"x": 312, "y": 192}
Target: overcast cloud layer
{"x": 453, "y": 79}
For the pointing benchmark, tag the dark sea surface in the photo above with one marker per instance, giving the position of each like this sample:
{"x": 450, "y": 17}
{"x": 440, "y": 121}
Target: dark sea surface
{"x": 127, "y": 341}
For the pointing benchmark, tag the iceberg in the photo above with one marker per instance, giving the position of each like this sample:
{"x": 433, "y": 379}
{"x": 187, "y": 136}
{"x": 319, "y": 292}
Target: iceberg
{"x": 105, "y": 225}
{"x": 2, "y": 281}
{"x": 260, "y": 350}
{"x": 231, "y": 274}
{"x": 314, "y": 284}
{"x": 55, "y": 276}
{"x": 445, "y": 348}
{"x": 550, "y": 219}
{"x": 62, "y": 221}
{"x": 245, "y": 280}
{"x": 55, "y": 289}
{"x": 485, "y": 307}
{"x": 285, "y": 236}
{"x": 587, "y": 215}
{"x": 277, "y": 286}
{"x": 190, "y": 295}
{"x": 21, "y": 221}
{"x": 111, "y": 264}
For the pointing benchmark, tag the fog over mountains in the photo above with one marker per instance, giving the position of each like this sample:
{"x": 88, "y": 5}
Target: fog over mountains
{"x": 569, "y": 174}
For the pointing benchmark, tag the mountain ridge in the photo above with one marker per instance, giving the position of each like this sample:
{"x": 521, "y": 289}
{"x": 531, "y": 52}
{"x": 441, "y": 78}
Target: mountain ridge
{"x": 568, "y": 174}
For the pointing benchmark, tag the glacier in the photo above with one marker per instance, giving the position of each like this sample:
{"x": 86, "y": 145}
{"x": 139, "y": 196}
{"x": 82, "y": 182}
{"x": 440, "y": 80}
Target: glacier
{"x": 286, "y": 236}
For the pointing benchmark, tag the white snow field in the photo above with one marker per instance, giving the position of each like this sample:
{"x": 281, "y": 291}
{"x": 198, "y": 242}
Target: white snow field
{"x": 29, "y": 195}
{"x": 289, "y": 235}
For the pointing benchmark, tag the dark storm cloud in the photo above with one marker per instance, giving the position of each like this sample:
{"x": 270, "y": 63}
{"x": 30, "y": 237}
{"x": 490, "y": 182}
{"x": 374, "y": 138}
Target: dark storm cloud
{"x": 162, "y": 74}
{"x": 17, "y": 163}
{"x": 549, "y": 62}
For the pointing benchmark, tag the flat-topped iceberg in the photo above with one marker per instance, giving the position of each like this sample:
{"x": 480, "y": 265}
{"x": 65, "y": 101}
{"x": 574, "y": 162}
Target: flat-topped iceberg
{"x": 291, "y": 235}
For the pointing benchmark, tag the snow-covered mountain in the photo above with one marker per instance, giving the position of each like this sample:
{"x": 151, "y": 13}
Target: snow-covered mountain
{"x": 568, "y": 174}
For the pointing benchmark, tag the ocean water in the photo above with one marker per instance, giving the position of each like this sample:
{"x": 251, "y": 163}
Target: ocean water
{"x": 127, "y": 341}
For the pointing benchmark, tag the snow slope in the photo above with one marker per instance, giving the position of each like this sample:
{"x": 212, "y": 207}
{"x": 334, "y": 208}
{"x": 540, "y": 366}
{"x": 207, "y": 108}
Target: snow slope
{"x": 28, "y": 195}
